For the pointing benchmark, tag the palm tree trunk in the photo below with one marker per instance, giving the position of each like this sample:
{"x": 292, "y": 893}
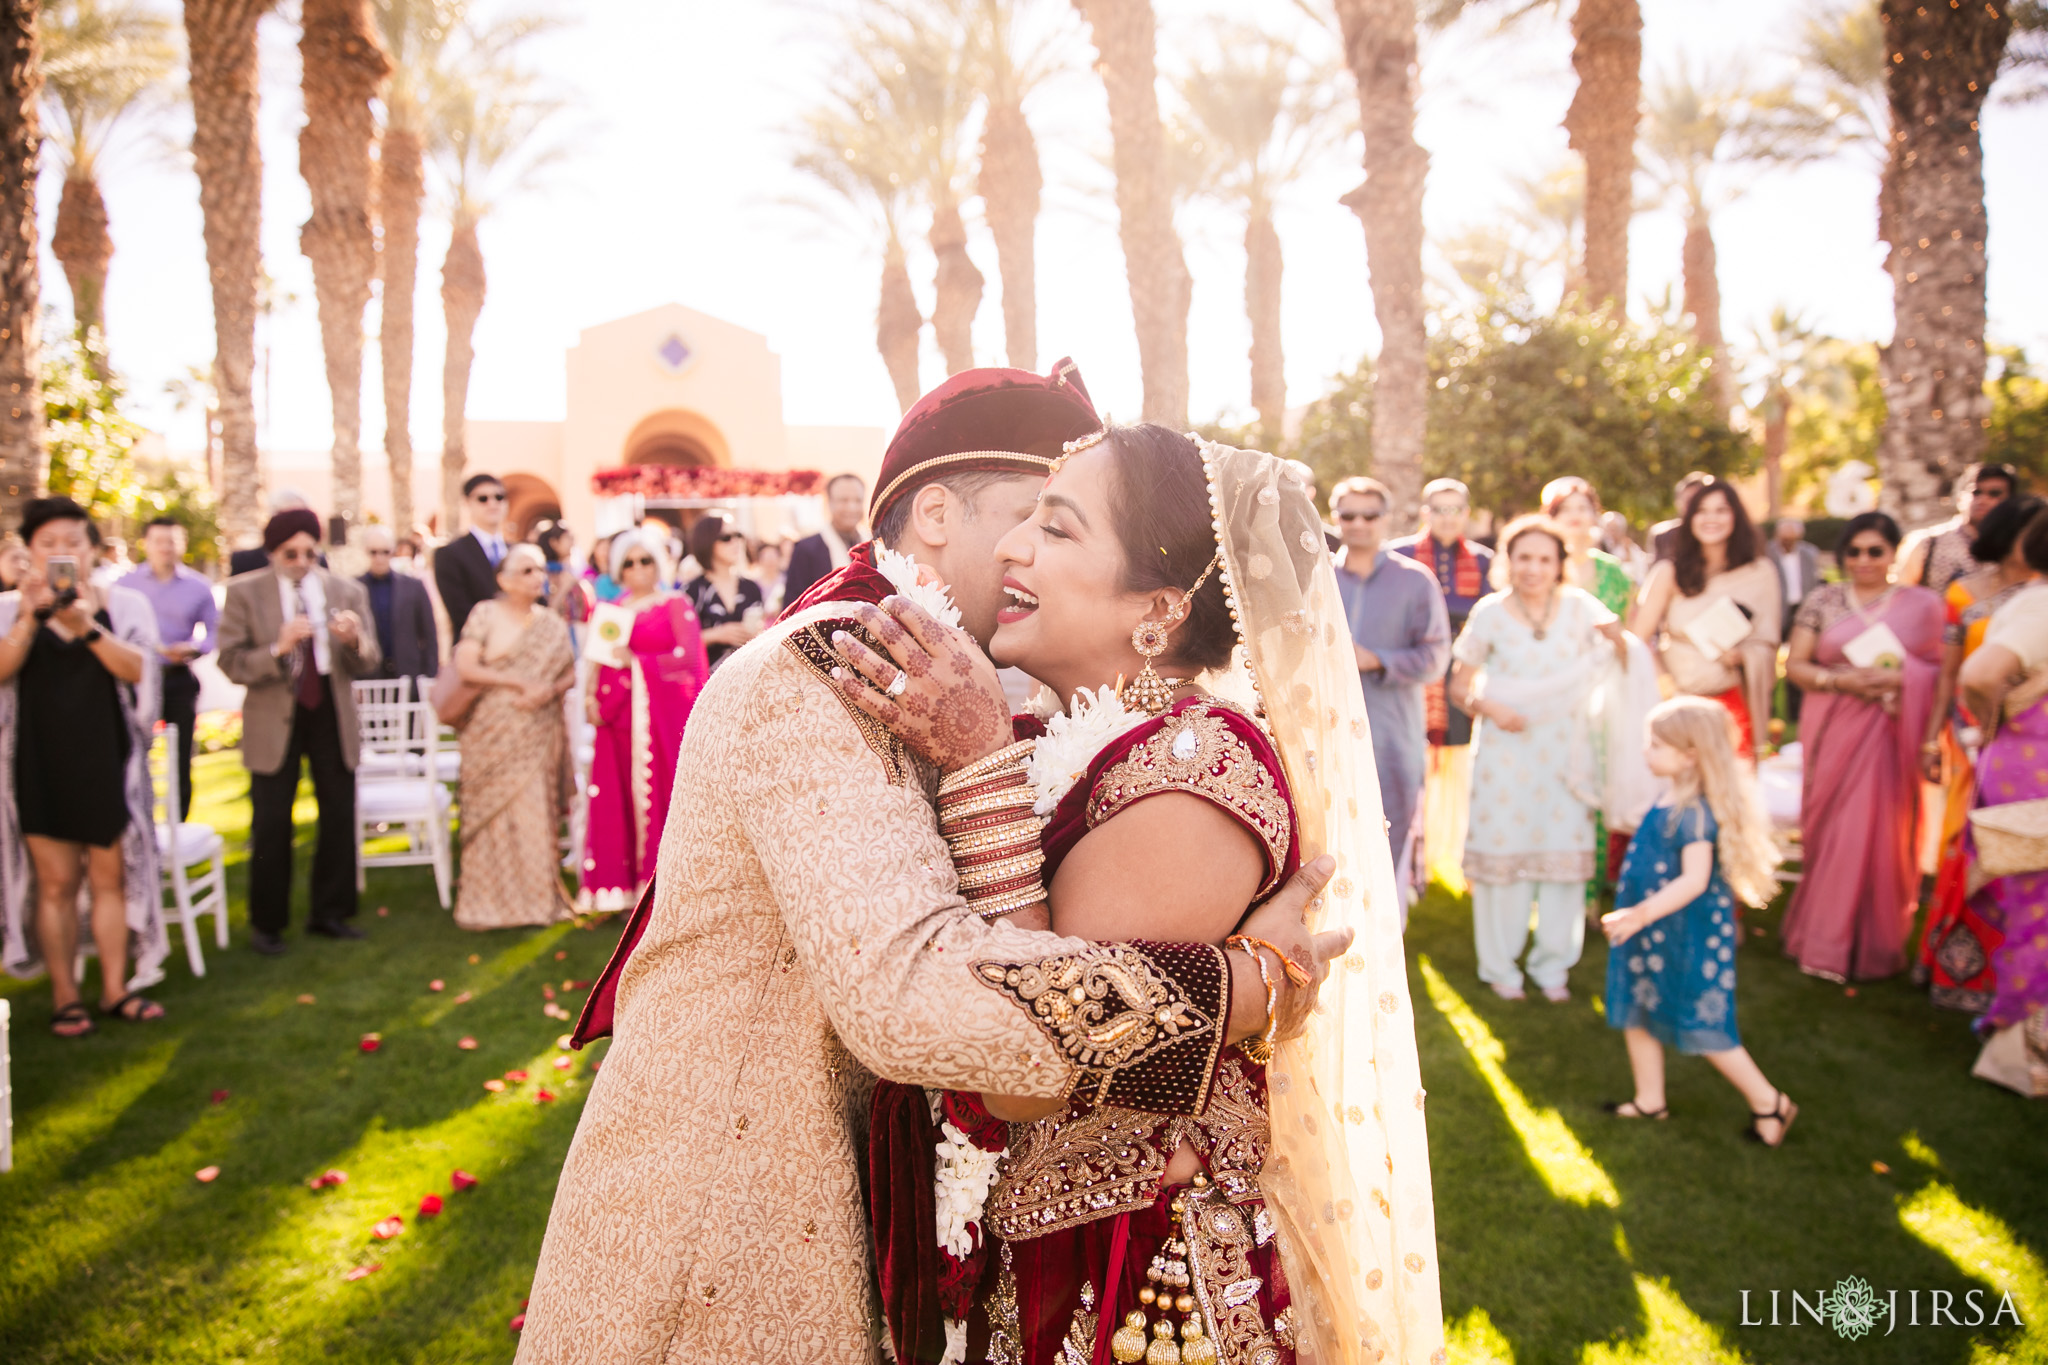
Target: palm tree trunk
{"x": 1011, "y": 184}
{"x": 22, "y": 459}
{"x": 1379, "y": 47}
{"x": 1702, "y": 283}
{"x": 1262, "y": 307}
{"x": 401, "y": 188}
{"x": 462, "y": 300}
{"x": 1777, "y": 426}
{"x": 1161, "y": 289}
{"x": 83, "y": 246}
{"x": 1607, "y": 57}
{"x": 897, "y": 324}
{"x": 1932, "y": 199}
{"x": 957, "y": 294}
{"x": 221, "y": 38}
{"x": 343, "y": 64}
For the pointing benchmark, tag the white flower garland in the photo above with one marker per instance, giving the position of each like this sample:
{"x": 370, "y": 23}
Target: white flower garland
{"x": 965, "y": 1173}
{"x": 1073, "y": 739}
{"x": 901, "y": 571}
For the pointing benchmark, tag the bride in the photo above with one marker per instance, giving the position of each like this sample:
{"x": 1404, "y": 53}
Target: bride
{"x": 1211, "y": 737}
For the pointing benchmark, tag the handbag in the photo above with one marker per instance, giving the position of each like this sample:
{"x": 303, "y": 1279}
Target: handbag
{"x": 453, "y": 699}
{"x": 2016, "y": 1057}
{"x": 2012, "y": 838}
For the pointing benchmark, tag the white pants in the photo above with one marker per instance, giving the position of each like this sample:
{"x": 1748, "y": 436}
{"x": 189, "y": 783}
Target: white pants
{"x": 1500, "y": 928}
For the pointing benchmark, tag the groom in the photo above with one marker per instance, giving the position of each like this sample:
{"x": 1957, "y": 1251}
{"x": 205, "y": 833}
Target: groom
{"x": 807, "y": 935}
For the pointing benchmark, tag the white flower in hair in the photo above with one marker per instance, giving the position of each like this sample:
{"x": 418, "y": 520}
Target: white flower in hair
{"x": 1073, "y": 740}
{"x": 901, "y": 571}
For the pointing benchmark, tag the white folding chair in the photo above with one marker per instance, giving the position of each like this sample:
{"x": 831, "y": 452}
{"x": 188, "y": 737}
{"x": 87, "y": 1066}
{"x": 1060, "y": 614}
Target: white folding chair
{"x": 182, "y": 845}
{"x": 399, "y": 793}
{"x": 448, "y": 763}
{"x": 378, "y": 694}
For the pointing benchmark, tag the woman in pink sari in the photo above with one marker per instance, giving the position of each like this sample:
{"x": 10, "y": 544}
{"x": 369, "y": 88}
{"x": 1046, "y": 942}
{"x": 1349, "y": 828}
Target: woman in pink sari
{"x": 639, "y": 708}
{"x": 1861, "y": 728}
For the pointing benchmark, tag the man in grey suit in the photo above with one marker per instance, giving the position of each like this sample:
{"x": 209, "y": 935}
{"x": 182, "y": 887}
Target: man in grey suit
{"x": 1798, "y": 564}
{"x": 293, "y": 635}
{"x": 401, "y": 611}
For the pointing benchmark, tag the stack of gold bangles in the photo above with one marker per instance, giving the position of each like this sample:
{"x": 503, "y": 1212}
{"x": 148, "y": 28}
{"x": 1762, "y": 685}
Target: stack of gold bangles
{"x": 985, "y": 814}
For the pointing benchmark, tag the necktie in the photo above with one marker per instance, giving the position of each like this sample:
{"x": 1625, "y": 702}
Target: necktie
{"x": 306, "y": 685}
{"x": 496, "y": 549}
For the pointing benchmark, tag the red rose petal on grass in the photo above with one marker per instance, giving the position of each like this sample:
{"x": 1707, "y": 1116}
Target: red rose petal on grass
{"x": 594, "y": 1066}
{"x": 561, "y": 953}
{"x": 206, "y": 1175}
{"x": 1849, "y": 991}
{"x": 363, "y": 1272}
{"x": 578, "y": 986}
{"x": 474, "y": 959}
{"x": 388, "y": 1228}
{"x": 372, "y": 1041}
{"x": 564, "y": 1063}
{"x": 463, "y": 999}
{"x": 524, "y": 1302}
{"x": 326, "y": 1178}
{"x": 515, "y": 1076}
{"x": 466, "y": 1044}
{"x": 547, "y": 992}
{"x": 437, "y": 984}
{"x": 305, "y": 1000}
{"x": 1880, "y": 1168}
{"x": 563, "y": 1042}
{"x": 494, "y": 1085}
{"x": 430, "y": 1206}
{"x": 544, "y": 1097}
{"x": 462, "y": 1180}
{"x": 220, "y": 1097}
{"x": 518, "y": 1323}
{"x": 383, "y": 912}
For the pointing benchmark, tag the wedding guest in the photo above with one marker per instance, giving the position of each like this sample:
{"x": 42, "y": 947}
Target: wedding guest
{"x": 729, "y": 605}
{"x": 1662, "y": 533}
{"x": 1531, "y": 840}
{"x": 1798, "y": 561}
{"x": 466, "y": 568}
{"x": 1860, "y": 797}
{"x": 114, "y": 564}
{"x": 768, "y": 570}
{"x": 77, "y": 704}
{"x": 1571, "y": 503}
{"x": 639, "y": 706}
{"x": 598, "y": 572}
{"x": 1936, "y": 556}
{"x": 187, "y": 626}
{"x": 1957, "y": 943}
{"x": 846, "y": 499}
{"x": 516, "y": 774}
{"x": 405, "y": 556}
{"x": 1673, "y": 985}
{"x": 252, "y": 558}
{"x": 1402, "y": 637}
{"x": 14, "y": 560}
{"x": 294, "y": 636}
{"x": 1618, "y": 540}
{"x": 1462, "y": 568}
{"x": 401, "y": 611}
{"x": 1714, "y": 555}
{"x": 568, "y": 594}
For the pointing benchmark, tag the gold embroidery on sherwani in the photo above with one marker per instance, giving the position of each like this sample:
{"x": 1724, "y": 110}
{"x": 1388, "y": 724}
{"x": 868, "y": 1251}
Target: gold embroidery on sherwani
{"x": 1197, "y": 752}
{"x": 1106, "y": 1009}
{"x": 813, "y": 645}
{"x": 1219, "y": 1238}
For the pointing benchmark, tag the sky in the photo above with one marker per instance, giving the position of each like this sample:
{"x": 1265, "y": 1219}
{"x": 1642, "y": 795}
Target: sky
{"x": 675, "y": 185}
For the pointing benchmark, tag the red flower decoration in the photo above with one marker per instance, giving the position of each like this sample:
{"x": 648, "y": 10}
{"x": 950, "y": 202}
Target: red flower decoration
{"x": 206, "y": 1175}
{"x": 704, "y": 481}
{"x": 326, "y": 1178}
{"x": 515, "y": 1076}
{"x": 494, "y": 1085}
{"x": 547, "y": 992}
{"x": 372, "y": 1041}
{"x": 383, "y": 912}
{"x": 220, "y": 1097}
{"x": 462, "y": 1180}
{"x": 430, "y": 1206}
{"x": 518, "y": 1323}
{"x": 437, "y": 984}
{"x": 561, "y": 954}
{"x": 363, "y": 1272}
{"x": 563, "y": 1063}
{"x": 544, "y": 1097}
{"x": 388, "y": 1228}
{"x": 467, "y": 1044}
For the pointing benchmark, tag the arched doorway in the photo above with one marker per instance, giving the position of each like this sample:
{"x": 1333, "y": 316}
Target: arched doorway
{"x": 677, "y": 436}
{"x": 529, "y": 500}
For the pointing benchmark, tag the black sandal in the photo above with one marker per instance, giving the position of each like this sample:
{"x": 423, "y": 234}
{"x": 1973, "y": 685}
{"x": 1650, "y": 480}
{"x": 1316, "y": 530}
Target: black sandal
{"x": 1784, "y": 1111}
{"x": 139, "y": 1015}
{"x": 73, "y": 1013}
{"x": 1629, "y": 1109}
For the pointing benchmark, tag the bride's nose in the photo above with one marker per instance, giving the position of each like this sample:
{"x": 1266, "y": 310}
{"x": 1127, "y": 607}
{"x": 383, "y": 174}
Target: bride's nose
{"x": 1015, "y": 546}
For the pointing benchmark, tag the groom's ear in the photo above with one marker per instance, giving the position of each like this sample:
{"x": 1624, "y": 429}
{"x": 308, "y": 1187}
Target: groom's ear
{"x": 932, "y": 514}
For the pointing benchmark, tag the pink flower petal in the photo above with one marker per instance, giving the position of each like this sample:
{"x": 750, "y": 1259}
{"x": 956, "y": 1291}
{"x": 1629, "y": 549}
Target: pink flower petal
{"x": 544, "y": 1097}
{"x": 437, "y": 984}
{"x": 430, "y": 1206}
{"x": 547, "y": 992}
{"x": 464, "y": 998}
{"x": 372, "y": 1041}
{"x": 206, "y": 1175}
{"x": 305, "y": 1000}
{"x": 561, "y": 953}
{"x": 494, "y": 1085}
{"x": 462, "y": 1180}
{"x": 515, "y": 1076}
{"x": 388, "y": 1228}
{"x": 363, "y": 1272}
{"x": 564, "y": 1063}
{"x": 466, "y": 1044}
{"x": 220, "y": 1097}
{"x": 518, "y": 1323}
{"x": 383, "y": 912}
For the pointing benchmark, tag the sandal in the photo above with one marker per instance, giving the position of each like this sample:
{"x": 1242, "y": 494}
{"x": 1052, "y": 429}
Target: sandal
{"x": 73, "y": 1021}
{"x": 1784, "y": 1111}
{"x": 1629, "y": 1109}
{"x": 134, "y": 1008}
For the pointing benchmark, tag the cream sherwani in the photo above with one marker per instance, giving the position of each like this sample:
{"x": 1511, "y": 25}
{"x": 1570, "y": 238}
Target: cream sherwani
{"x": 807, "y": 934}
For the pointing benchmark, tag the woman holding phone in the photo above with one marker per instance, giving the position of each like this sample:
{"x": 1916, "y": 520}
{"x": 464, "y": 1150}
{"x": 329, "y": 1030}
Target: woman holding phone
{"x": 77, "y": 704}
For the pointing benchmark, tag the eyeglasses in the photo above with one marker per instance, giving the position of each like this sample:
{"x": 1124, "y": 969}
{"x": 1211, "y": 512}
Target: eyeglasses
{"x": 641, "y": 562}
{"x": 1444, "y": 509}
{"x": 1360, "y": 516}
{"x": 731, "y": 536}
{"x": 486, "y": 497}
{"x": 374, "y": 553}
{"x": 1865, "y": 551}
{"x": 298, "y": 556}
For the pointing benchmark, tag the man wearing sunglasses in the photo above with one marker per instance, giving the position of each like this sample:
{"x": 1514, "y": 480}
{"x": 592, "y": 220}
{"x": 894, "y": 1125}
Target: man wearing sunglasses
{"x": 1936, "y": 556}
{"x": 1402, "y": 636}
{"x": 466, "y": 568}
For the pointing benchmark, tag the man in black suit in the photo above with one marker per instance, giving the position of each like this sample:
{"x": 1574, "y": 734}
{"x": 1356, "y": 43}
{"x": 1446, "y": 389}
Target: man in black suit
{"x": 400, "y": 608}
{"x": 466, "y": 568}
{"x": 846, "y": 497}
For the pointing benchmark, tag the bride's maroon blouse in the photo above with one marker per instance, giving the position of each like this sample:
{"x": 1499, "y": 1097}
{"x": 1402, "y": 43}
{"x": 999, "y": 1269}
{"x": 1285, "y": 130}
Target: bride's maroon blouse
{"x": 1080, "y": 1209}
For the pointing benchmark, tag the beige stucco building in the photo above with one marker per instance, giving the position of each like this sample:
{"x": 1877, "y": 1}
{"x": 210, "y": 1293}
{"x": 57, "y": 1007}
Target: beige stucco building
{"x": 670, "y": 386}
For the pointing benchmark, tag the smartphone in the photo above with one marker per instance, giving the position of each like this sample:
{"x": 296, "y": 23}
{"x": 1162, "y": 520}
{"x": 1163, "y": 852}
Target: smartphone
{"x": 63, "y": 574}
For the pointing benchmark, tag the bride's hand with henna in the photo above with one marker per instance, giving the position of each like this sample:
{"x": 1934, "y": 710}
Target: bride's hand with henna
{"x": 949, "y": 707}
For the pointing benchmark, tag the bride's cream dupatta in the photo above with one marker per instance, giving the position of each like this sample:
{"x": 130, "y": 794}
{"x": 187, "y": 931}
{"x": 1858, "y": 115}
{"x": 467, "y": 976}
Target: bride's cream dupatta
{"x": 1348, "y": 1179}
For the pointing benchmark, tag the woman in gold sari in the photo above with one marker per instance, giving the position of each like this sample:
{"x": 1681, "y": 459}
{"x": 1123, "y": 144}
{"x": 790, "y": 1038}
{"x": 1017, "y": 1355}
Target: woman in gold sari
{"x": 515, "y": 753}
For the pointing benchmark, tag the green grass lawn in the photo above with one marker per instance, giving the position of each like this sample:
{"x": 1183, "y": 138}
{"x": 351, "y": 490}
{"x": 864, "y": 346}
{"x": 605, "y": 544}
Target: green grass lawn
{"x": 1565, "y": 1235}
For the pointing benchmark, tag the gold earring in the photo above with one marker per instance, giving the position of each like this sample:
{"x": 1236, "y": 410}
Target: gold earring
{"x": 1148, "y": 691}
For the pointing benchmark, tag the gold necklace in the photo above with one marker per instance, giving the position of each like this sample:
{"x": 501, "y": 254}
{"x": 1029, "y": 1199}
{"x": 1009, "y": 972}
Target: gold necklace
{"x": 1540, "y": 628}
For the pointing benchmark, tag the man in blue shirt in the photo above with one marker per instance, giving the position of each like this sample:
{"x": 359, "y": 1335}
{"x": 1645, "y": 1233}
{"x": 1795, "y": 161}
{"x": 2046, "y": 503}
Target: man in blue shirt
{"x": 1402, "y": 637}
{"x": 184, "y": 607}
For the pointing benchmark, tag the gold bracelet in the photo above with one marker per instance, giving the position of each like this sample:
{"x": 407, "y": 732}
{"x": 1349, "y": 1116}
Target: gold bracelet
{"x": 1010, "y": 903}
{"x": 989, "y": 874}
{"x": 988, "y": 855}
{"x": 950, "y": 814}
{"x": 1018, "y": 753}
{"x": 1259, "y": 1049}
{"x": 981, "y": 786}
{"x": 981, "y": 841}
{"x": 1295, "y": 972}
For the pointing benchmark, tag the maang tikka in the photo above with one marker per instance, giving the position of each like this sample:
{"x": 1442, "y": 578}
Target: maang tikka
{"x": 1148, "y": 691}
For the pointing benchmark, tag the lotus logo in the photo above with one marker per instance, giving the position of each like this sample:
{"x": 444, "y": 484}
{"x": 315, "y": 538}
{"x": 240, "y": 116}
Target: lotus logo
{"x": 1854, "y": 1309}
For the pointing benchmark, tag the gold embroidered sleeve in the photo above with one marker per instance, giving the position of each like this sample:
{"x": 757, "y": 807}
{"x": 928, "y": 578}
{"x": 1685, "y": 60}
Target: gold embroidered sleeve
{"x": 1198, "y": 752}
{"x": 812, "y": 644}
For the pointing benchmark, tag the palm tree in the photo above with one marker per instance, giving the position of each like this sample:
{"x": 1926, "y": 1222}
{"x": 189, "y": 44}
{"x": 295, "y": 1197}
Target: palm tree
{"x": 344, "y": 66}
{"x": 853, "y": 151}
{"x": 99, "y": 65}
{"x": 1785, "y": 351}
{"x": 22, "y": 462}
{"x": 1007, "y": 70}
{"x": 220, "y": 36}
{"x": 1943, "y": 62}
{"x": 1256, "y": 114}
{"x": 1125, "y": 35}
{"x": 488, "y": 112}
{"x": 415, "y": 32}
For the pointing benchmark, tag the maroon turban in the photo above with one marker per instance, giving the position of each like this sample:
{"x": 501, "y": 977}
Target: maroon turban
{"x": 289, "y": 523}
{"x": 985, "y": 421}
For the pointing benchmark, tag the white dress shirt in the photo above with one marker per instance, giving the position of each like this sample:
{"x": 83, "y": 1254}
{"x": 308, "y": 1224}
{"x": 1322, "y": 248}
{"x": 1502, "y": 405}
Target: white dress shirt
{"x": 307, "y": 596}
{"x": 494, "y": 545}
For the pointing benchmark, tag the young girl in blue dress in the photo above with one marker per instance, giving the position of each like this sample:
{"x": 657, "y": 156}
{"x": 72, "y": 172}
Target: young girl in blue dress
{"x": 1672, "y": 937}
